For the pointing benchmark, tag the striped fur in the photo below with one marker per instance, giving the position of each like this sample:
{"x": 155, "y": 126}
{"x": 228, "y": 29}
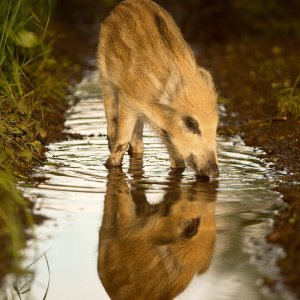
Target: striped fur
{"x": 148, "y": 74}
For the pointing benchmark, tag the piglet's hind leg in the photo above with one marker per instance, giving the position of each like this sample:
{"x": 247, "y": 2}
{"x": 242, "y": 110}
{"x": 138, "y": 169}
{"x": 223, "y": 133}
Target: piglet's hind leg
{"x": 136, "y": 144}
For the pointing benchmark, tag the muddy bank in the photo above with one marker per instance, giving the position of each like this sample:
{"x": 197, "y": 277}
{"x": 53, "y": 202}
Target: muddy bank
{"x": 249, "y": 75}
{"x": 252, "y": 51}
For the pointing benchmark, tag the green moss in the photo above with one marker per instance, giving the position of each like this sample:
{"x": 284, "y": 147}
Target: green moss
{"x": 289, "y": 101}
{"x": 224, "y": 100}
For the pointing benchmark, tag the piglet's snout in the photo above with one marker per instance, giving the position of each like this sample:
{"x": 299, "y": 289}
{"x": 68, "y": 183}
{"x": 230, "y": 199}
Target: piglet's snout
{"x": 211, "y": 169}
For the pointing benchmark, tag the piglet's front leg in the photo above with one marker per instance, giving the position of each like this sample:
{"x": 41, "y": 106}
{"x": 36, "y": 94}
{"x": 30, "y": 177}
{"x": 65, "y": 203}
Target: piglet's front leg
{"x": 126, "y": 124}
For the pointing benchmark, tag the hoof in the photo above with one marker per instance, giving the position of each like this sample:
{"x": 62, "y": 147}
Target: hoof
{"x": 110, "y": 164}
{"x": 177, "y": 170}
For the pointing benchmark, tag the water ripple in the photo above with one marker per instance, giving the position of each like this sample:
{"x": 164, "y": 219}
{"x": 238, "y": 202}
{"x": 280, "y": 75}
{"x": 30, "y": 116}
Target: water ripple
{"x": 72, "y": 196}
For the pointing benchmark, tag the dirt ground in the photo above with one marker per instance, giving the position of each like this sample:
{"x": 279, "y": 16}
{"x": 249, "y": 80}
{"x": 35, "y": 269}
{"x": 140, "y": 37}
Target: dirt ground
{"x": 252, "y": 113}
{"x": 253, "y": 54}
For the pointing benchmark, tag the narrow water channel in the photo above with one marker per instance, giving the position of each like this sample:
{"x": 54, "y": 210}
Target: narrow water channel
{"x": 156, "y": 225}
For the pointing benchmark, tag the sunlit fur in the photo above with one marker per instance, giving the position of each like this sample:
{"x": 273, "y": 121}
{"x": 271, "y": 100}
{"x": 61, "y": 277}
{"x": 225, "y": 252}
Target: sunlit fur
{"x": 144, "y": 250}
{"x": 148, "y": 73}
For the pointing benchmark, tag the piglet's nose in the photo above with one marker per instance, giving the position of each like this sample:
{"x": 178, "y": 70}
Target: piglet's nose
{"x": 213, "y": 171}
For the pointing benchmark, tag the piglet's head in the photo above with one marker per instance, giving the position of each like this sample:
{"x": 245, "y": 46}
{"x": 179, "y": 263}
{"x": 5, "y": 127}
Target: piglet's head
{"x": 192, "y": 132}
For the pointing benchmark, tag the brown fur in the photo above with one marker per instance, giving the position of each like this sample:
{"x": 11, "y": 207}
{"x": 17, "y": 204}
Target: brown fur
{"x": 148, "y": 73}
{"x": 153, "y": 251}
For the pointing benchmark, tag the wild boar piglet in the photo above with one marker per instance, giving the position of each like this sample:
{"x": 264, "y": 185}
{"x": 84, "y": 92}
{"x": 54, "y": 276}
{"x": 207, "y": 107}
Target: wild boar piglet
{"x": 148, "y": 73}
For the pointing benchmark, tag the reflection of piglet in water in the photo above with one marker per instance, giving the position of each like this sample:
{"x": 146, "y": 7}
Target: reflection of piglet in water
{"x": 148, "y": 73}
{"x": 153, "y": 251}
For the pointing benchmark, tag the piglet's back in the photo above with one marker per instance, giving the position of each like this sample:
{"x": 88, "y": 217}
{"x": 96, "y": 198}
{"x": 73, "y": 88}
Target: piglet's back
{"x": 140, "y": 44}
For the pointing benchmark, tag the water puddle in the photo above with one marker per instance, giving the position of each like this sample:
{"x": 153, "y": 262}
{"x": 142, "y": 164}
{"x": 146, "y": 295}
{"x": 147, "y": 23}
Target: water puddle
{"x": 162, "y": 234}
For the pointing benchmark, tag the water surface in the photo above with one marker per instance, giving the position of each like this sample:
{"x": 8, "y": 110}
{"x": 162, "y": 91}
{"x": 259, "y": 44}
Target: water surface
{"x": 215, "y": 228}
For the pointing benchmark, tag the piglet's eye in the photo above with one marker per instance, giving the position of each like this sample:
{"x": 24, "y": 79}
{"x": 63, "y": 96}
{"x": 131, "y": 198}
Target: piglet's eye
{"x": 192, "y": 227}
{"x": 192, "y": 125}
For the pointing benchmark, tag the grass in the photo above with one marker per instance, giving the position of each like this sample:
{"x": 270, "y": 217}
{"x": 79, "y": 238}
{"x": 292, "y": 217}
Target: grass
{"x": 26, "y": 82}
{"x": 31, "y": 85}
{"x": 20, "y": 287}
{"x": 289, "y": 101}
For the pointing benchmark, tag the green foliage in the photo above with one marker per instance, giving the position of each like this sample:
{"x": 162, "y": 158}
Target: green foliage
{"x": 27, "y": 79}
{"x": 289, "y": 101}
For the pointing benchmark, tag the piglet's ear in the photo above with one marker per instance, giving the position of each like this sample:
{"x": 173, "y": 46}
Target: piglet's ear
{"x": 206, "y": 76}
{"x": 192, "y": 228}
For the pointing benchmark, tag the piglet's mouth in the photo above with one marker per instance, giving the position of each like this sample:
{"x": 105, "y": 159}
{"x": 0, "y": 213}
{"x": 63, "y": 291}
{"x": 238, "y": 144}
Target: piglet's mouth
{"x": 211, "y": 171}
{"x": 191, "y": 162}
{"x": 200, "y": 174}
